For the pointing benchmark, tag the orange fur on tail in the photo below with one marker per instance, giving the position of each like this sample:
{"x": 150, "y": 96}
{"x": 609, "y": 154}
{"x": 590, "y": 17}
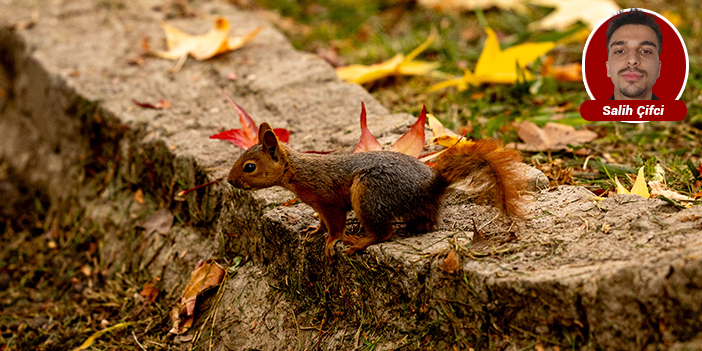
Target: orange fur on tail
{"x": 488, "y": 168}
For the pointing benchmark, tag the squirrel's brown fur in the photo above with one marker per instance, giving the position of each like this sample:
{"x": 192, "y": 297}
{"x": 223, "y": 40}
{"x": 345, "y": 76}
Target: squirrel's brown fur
{"x": 379, "y": 186}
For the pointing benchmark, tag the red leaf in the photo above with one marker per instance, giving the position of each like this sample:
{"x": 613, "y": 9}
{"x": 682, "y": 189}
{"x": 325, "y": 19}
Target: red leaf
{"x": 367, "y": 142}
{"x": 236, "y": 137}
{"x": 160, "y": 105}
{"x": 412, "y": 142}
{"x": 282, "y": 134}
{"x": 248, "y": 126}
{"x": 699, "y": 169}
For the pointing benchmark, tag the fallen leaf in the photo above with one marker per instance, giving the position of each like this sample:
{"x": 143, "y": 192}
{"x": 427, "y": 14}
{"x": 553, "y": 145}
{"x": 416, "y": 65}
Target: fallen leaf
{"x": 450, "y": 264}
{"x": 659, "y": 189}
{"x": 89, "y": 341}
{"x": 149, "y": 292}
{"x": 496, "y": 65}
{"x": 397, "y": 65}
{"x": 202, "y": 47}
{"x": 160, "y": 105}
{"x": 412, "y": 142}
{"x": 139, "y": 196}
{"x": 552, "y": 137}
{"x": 159, "y": 222}
{"x": 367, "y": 142}
{"x": 639, "y": 187}
{"x": 569, "y": 12}
{"x": 572, "y": 72}
{"x": 470, "y": 5}
{"x": 247, "y": 136}
{"x": 202, "y": 278}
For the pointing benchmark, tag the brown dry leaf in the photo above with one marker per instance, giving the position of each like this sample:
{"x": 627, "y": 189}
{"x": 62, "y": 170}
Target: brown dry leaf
{"x": 202, "y": 278}
{"x": 450, "y": 264}
{"x": 149, "y": 292}
{"x": 139, "y": 196}
{"x": 160, "y": 222}
{"x": 202, "y": 47}
{"x": 552, "y": 137}
{"x": 660, "y": 189}
{"x": 572, "y": 72}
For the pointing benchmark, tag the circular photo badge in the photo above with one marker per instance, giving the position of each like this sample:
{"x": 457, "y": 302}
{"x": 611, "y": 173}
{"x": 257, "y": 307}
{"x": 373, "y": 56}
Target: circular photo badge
{"x": 603, "y": 72}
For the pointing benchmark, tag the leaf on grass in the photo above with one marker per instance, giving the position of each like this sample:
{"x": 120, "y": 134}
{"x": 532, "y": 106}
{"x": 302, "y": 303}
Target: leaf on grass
{"x": 412, "y": 142}
{"x": 659, "y": 189}
{"x": 139, "y": 196}
{"x": 202, "y": 47}
{"x": 160, "y": 105}
{"x": 247, "y": 136}
{"x": 568, "y": 12}
{"x": 572, "y": 72}
{"x": 470, "y": 5}
{"x": 639, "y": 187}
{"x": 450, "y": 264}
{"x": 149, "y": 292}
{"x": 89, "y": 341}
{"x": 398, "y": 65}
{"x": 159, "y": 222}
{"x": 367, "y": 142}
{"x": 202, "y": 278}
{"x": 496, "y": 65}
{"x": 552, "y": 137}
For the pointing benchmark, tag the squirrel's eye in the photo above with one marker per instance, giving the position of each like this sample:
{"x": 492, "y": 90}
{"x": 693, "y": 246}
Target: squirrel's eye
{"x": 249, "y": 167}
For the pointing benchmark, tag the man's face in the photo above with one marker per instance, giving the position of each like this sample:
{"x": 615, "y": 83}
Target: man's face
{"x": 633, "y": 62}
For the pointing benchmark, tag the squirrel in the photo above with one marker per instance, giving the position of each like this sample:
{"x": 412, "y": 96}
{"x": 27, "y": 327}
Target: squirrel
{"x": 379, "y": 186}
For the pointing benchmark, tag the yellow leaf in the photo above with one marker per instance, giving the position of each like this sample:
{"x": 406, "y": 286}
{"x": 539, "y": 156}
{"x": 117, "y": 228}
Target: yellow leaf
{"x": 568, "y": 12}
{"x": 361, "y": 74}
{"x": 640, "y": 187}
{"x": 496, "y": 65}
{"x": 620, "y": 189}
{"x": 89, "y": 341}
{"x": 398, "y": 65}
{"x": 447, "y": 5}
{"x": 202, "y": 47}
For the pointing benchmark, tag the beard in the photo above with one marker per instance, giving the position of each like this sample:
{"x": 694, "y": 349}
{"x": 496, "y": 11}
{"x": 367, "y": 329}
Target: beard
{"x": 632, "y": 91}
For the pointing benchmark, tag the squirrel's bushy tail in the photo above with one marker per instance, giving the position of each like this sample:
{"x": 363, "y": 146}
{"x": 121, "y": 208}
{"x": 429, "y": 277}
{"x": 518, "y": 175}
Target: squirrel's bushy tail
{"x": 488, "y": 170}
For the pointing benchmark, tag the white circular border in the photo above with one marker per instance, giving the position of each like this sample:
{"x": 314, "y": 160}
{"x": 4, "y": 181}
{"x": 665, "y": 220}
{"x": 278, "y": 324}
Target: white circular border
{"x": 587, "y": 44}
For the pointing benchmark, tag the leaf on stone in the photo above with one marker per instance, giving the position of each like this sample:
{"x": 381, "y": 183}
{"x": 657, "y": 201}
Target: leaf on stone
{"x": 569, "y": 12}
{"x": 160, "y": 222}
{"x": 412, "y": 142}
{"x": 202, "y": 278}
{"x": 367, "y": 142}
{"x": 572, "y": 72}
{"x": 470, "y": 5}
{"x": 450, "y": 264}
{"x": 246, "y": 136}
{"x": 160, "y": 105}
{"x": 552, "y": 137}
{"x": 397, "y": 65}
{"x": 202, "y": 47}
{"x": 498, "y": 66}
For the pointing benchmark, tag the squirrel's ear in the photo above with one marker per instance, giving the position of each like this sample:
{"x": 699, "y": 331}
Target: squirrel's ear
{"x": 261, "y": 130}
{"x": 270, "y": 143}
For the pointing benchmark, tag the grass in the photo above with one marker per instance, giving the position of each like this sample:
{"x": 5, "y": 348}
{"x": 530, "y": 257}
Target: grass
{"x": 367, "y": 32}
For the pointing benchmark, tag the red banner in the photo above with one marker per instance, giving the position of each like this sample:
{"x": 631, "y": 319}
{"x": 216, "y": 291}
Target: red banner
{"x": 633, "y": 110}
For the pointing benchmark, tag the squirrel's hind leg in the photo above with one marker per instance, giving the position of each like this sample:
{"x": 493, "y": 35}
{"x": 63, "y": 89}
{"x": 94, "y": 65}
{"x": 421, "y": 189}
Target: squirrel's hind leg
{"x": 375, "y": 233}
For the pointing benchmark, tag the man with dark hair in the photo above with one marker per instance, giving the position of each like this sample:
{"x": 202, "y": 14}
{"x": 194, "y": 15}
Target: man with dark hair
{"x": 634, "y": 43}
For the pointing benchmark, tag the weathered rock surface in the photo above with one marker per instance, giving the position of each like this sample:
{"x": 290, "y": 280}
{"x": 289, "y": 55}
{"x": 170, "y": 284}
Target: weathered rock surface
{"x": 621, "y": 273}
